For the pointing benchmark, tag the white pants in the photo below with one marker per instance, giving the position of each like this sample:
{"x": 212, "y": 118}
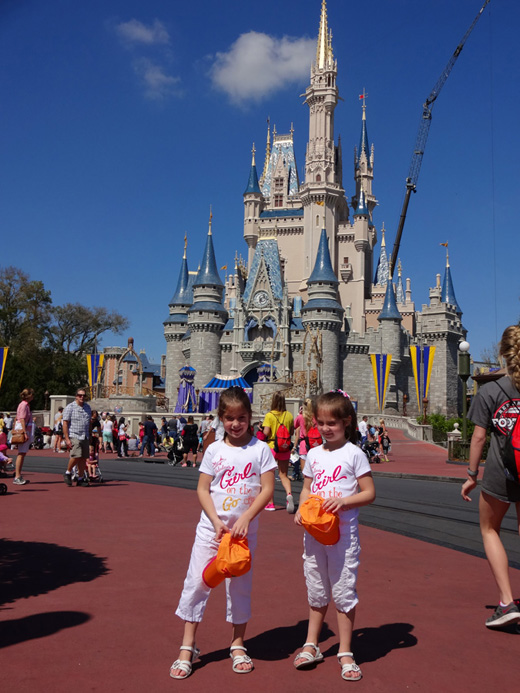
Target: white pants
{"x": 195, "y": 593}
{"x": 331, "y": 571}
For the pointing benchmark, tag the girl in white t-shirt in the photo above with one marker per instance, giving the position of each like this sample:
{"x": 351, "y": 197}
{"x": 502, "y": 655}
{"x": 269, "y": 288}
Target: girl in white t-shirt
{"x": 339, "y": 472}
{"x": 236, "y": 481}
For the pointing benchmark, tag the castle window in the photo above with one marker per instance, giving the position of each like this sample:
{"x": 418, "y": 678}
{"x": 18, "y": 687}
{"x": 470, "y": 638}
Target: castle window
{"x": 345, "y": 260}
{"x": 318, "y": 178}
{"x": 278, "y": 183}
{"x": 317, "y": 219}
{"x": 278, "y": 200}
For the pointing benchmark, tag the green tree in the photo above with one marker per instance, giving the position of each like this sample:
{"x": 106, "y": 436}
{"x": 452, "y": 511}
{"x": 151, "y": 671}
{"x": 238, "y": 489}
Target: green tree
{"x": 47, "y": 344}
{"x": 76, "y": 328}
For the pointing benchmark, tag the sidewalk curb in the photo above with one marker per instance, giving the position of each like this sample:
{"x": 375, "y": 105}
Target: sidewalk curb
{"x": 420, "y": 477}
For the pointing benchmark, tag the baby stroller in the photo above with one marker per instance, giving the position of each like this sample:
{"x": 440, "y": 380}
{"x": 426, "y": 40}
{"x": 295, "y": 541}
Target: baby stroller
{"x": 371, "y": 450}
{"x": 93, "y": 475}
{"x": 175, "y": 453}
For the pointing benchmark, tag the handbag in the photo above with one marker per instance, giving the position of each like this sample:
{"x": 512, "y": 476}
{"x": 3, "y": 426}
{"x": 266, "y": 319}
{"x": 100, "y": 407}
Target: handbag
{"x": 18, "y": 434}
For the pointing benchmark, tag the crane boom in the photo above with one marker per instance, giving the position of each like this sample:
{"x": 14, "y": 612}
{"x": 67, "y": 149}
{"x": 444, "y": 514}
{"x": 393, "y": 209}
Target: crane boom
{"x": 422, "y": 137}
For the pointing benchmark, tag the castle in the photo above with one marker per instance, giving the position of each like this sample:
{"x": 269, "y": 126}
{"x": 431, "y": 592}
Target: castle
{"x": 307, "y": 298}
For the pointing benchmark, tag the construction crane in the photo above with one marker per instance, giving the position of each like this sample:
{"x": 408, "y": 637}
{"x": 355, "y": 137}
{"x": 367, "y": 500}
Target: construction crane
{"x": 422, "y": 136}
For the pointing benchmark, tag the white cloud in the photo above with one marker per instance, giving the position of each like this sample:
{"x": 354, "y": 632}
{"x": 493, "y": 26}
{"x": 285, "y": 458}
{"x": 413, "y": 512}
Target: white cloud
{"x": 157, "y": 83}
{"x": 257, "y": 65}
{"x": 135, "y": 32}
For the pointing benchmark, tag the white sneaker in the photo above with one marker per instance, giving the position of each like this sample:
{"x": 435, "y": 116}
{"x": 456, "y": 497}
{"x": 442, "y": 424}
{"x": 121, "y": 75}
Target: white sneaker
{"x": 290, "y": 504}
{"x": 20, "y": 481}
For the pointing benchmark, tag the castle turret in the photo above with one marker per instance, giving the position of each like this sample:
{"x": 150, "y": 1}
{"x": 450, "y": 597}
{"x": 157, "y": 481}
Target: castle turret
{"x": 391, "y": 341}
{"x": 448, "y": 292}
{"x": 206, "y": 317}
{"x": 253, "y": 202}
{"x": 322, "y": 315}
{"x": 321, "y": 195}
{"x": 175, "y": 327}
{"x": 364, "y": 164}
{"x": 439, "y": 324}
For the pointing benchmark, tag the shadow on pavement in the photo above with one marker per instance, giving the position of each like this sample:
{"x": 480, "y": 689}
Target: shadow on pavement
{"x": 29, "y": 568}
{"x": 370, "y": 644}
{"x": 39, "y": 626}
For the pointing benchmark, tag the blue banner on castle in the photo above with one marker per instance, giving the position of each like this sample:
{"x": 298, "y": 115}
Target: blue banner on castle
{"x": 381, "y": 370}
{"x": 94, "y": 366}
{"x": 3, "y": 359}
{"x": 422, "y": 364}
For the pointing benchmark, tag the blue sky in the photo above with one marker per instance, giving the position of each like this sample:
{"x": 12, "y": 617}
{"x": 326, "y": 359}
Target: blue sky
{"x": 122, "y": 121}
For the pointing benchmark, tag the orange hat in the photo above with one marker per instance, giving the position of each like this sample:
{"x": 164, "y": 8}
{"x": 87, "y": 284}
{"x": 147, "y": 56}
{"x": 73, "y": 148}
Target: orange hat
{"x": 322, "y": 525}
{"x": 232, "y": 560}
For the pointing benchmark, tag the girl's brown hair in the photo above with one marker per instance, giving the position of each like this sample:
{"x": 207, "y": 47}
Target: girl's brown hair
{"x": 232, "y": 397}
{"x": 340, "y": 407}
{"x": 510, "y": 350}
{"x": 27, "y": 392}
{"x": 278, "y": 402}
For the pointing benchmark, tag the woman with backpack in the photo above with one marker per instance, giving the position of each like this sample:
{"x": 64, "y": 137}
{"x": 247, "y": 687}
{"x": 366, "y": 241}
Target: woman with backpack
{"x": 496, "y": 407}
{"x": 278, "y": 428}
{"x": 306, "y": 434}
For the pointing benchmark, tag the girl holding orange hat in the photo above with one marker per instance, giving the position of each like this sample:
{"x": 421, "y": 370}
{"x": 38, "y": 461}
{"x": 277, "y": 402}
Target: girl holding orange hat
{"x": 339, "y": 473}
{"x": 236, "y": 481}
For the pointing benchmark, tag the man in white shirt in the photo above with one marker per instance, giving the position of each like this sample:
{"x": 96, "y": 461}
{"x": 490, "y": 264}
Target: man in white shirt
{"x": 363, "y": 430}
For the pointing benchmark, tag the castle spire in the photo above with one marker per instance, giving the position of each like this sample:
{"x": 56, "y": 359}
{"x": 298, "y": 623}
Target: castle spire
{"x": 448, "y": 292}
{"x": 252, "y": 184}
{"x": 382, "y": 271}
{"x": 390, "y": 310}
{"x": 324, "y": 55}
{"x": 208, "y": 273}
{"x": 323, "y": 271}
{"x": 267, "y": 149}
{"x": 399, "y": 291}
{"x": 364, "y": 147}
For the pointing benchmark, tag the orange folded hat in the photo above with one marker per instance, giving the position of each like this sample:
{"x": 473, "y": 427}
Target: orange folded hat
{"x": 322, "y": 525}
{"x": 232, "y": 560}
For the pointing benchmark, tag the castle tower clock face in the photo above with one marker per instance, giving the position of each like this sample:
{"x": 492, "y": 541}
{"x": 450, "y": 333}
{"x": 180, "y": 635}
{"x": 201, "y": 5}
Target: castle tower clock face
{"x": 261, "y": 299}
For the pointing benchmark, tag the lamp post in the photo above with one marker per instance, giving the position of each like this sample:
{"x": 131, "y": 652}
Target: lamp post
{"x": 464, "y": 374}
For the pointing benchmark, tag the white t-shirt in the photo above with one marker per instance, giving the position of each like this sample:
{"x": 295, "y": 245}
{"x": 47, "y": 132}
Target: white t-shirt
{"x": 108, "y": 426}
{"x": 219, "y": 428}
{"x": 335, "y": 473}
{"x": 363, "y": 428}
{"x": 236, "y": 478}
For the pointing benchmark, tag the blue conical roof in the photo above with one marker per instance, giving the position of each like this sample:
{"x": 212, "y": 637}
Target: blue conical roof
{"x": 208, "y": 273}
{"x": 390, "y": 310}
{"x": 448, "y": 292}
{"x": 323, "y": 271}
{"x": 182, "y": 296}
{"x": 362, "y": 208}
{"x": 252, "y": 184}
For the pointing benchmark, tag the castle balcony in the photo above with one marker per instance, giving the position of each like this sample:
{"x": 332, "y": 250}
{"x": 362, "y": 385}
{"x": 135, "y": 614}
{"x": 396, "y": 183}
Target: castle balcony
{"x": 259, "y": 350}
{"x": 346, "y": 271}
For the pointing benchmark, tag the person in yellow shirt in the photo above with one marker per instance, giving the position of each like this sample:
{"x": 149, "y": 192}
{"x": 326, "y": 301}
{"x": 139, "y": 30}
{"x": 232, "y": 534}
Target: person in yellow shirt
{"x": 272, "y": 421}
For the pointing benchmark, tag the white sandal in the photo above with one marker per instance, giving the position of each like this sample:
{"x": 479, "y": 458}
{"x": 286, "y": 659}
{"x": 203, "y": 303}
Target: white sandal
{"x": 240, "y": 659}
{"x": 349, "y": 666}
{"x": 308, "y": 658}
{"x": 185, "y": 665}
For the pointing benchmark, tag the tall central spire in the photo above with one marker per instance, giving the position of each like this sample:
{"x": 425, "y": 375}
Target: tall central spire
{"x": 324, "y": 49}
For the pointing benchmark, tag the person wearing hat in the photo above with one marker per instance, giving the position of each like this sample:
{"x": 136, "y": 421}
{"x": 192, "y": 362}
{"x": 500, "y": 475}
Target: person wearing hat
{"x": 236, "y": 481}
{"x": 337, "y": 481}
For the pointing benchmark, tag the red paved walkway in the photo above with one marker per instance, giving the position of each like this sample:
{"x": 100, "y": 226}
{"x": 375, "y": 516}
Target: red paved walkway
{"x": 90, "y": 579}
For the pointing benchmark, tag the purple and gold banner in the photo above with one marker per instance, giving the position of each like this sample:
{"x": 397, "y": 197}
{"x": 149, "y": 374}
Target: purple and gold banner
{"x": 381, "y": 370}
{"x": 3, "y": 359}
{"x": 95, "y": 366}
{"x": 422, "y": 364}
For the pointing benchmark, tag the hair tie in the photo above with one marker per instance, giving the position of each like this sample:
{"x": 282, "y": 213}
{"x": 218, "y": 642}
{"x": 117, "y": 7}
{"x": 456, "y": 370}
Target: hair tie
{"x": 341, "y": 392}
